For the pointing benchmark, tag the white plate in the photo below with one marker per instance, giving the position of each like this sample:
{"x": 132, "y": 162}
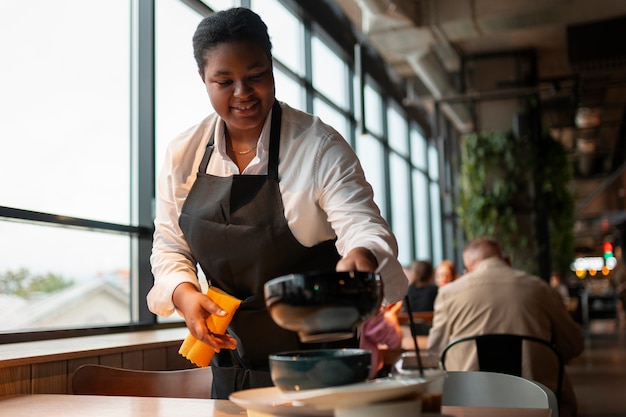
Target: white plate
{"x": 376, "y": 390}
{"x": 322, "y": 402}
{"x": 269, "y": 400}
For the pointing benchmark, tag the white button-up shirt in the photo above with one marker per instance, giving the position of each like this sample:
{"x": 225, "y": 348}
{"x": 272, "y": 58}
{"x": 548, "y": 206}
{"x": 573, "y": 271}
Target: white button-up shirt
{"x": 324, "y": 192}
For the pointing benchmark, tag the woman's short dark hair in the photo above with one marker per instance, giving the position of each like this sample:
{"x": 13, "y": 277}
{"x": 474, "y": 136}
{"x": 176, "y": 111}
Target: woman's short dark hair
{"x": 236, "y": 24}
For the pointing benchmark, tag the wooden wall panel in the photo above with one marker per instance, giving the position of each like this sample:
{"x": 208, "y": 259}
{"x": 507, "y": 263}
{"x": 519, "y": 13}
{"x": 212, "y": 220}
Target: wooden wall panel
{"x": 48, "y": 367}
{"x": 49, "y": 378}
{"x": 155, "y": 359}
{"x": 132, "y": 360}
{"x": 114, "y": 359}
{"x": 15, "y": 380}
{"x": 177, "y": 361}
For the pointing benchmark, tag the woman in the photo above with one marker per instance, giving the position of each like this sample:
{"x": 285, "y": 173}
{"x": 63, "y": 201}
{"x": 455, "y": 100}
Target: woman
{"x": 255, "y": 191}
{"x": 422, "y": 290}
{"x": 445, "y": 273}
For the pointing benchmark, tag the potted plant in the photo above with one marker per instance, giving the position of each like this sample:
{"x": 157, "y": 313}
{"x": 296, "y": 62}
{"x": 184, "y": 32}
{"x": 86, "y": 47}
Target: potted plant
{"x": 506, "y": 185}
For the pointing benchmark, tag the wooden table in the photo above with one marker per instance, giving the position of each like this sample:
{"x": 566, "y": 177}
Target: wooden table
{"x": 59, "y": 405}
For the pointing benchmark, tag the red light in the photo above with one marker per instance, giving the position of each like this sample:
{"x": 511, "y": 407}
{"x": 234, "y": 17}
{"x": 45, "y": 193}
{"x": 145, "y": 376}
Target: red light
{"x": 607, "y": 247}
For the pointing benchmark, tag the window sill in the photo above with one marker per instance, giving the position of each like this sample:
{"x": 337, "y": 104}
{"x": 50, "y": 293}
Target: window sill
{"x": 28, "y": 353}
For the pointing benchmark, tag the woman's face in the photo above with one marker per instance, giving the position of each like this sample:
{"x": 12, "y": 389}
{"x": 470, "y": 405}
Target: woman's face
{"x": 239, "y": 79}
{"x": 443, "y": 276}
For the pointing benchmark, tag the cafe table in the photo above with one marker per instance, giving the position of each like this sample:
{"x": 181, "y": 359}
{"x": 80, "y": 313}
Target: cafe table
{"x": 64, "y": 405}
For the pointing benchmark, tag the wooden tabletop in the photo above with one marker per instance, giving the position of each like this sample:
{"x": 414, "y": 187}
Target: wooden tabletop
{"x": 60, "y": 405}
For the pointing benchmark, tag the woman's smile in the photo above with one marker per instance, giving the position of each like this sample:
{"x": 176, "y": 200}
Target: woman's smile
{"x": 245, "y": 110}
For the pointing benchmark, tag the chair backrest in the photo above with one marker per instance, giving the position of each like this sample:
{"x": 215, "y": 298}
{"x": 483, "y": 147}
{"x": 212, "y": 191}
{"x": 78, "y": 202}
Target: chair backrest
{"x": 491, "y": 389}
{"x": 105, "y": 380}
{"x": 502, "y": 353}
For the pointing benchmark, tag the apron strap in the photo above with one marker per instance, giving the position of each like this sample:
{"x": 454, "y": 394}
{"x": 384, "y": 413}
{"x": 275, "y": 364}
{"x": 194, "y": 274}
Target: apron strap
{"x": 207, "y": 155}
{"x": 272, "y": 165}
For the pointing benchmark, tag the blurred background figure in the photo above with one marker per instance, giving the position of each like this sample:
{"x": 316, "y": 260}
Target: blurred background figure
{"x": 445, "y": 273}
{"x": 556, "y": 282}
{"x": 492, "y": 297}
{"x": 422, "y": 289}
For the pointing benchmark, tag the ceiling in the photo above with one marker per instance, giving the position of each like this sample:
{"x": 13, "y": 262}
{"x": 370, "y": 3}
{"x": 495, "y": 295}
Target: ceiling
{"x": 579, "y": 75}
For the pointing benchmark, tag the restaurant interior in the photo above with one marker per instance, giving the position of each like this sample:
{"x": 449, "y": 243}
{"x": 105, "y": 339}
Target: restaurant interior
{"x": 448, "y": 68}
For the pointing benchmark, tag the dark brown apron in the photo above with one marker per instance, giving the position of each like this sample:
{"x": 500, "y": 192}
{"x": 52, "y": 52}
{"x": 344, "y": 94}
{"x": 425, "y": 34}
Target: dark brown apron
{"x": 236, "y": 229}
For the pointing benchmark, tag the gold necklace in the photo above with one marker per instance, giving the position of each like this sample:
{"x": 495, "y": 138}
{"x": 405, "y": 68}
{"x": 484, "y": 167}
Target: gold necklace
{"x": 243, "y": 152}
{"x": 230, "y": 145}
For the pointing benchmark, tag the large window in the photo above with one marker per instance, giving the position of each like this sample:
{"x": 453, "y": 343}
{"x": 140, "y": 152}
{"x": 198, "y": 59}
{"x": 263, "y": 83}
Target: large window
{"x": 181, "y": 97}
{"x": 286, "y": 33}
{"x": 371, "y": 153}
{"x": 86, "y": 113}
{"x": 65, "y": 109}
{"x": 65, "y": 127}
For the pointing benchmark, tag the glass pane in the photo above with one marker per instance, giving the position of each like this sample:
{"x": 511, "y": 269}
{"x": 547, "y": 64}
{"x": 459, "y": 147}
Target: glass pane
{"x": 181, "y": 97}
{"x": 401, "y": 207}
{"x": 373, "y": 110}
{"x": 421, "y": 207}
{"x": 64, "y": 107}
{"x": 286, "y": 33}
{"x": 58, "y": 277}
{"x": 370, "y": 152}
{"x": 437, "y": 229}
{"x": 217, "y": 4}
{"x": 288, "y": 90}
{"x": 433, "y": 162}
{"x": 331, "y": 117}
{"x": 330, "y": 73}
{"x": 398, "y": 130}
{"x": 419, "y": 153}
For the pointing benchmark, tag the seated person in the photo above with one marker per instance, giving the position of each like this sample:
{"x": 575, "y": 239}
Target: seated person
{"x": 422, "y": 290}
{"x": 445, "y": 273}
{"x": 492, "y": 297}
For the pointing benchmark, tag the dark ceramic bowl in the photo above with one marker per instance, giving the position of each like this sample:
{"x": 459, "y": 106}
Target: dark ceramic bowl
{"x": 319, "y": 368}
{"x": 323, "y": 306}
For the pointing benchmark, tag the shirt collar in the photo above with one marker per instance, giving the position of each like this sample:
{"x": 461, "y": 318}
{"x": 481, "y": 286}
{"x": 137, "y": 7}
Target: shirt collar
{"x": 262, "y": 144}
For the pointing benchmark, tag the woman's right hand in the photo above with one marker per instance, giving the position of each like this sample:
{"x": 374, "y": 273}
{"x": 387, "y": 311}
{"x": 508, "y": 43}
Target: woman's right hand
{"x": 196, "y": 308}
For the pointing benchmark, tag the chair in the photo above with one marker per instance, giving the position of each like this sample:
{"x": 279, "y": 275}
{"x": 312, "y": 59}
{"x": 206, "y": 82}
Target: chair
{"x": 105, "y": 380}
{"x": 503, "y": 353}
{"x": 491, "y": 389}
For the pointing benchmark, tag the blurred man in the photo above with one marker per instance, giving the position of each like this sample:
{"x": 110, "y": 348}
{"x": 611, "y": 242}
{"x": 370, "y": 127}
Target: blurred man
{"x": 493, "y": 297}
